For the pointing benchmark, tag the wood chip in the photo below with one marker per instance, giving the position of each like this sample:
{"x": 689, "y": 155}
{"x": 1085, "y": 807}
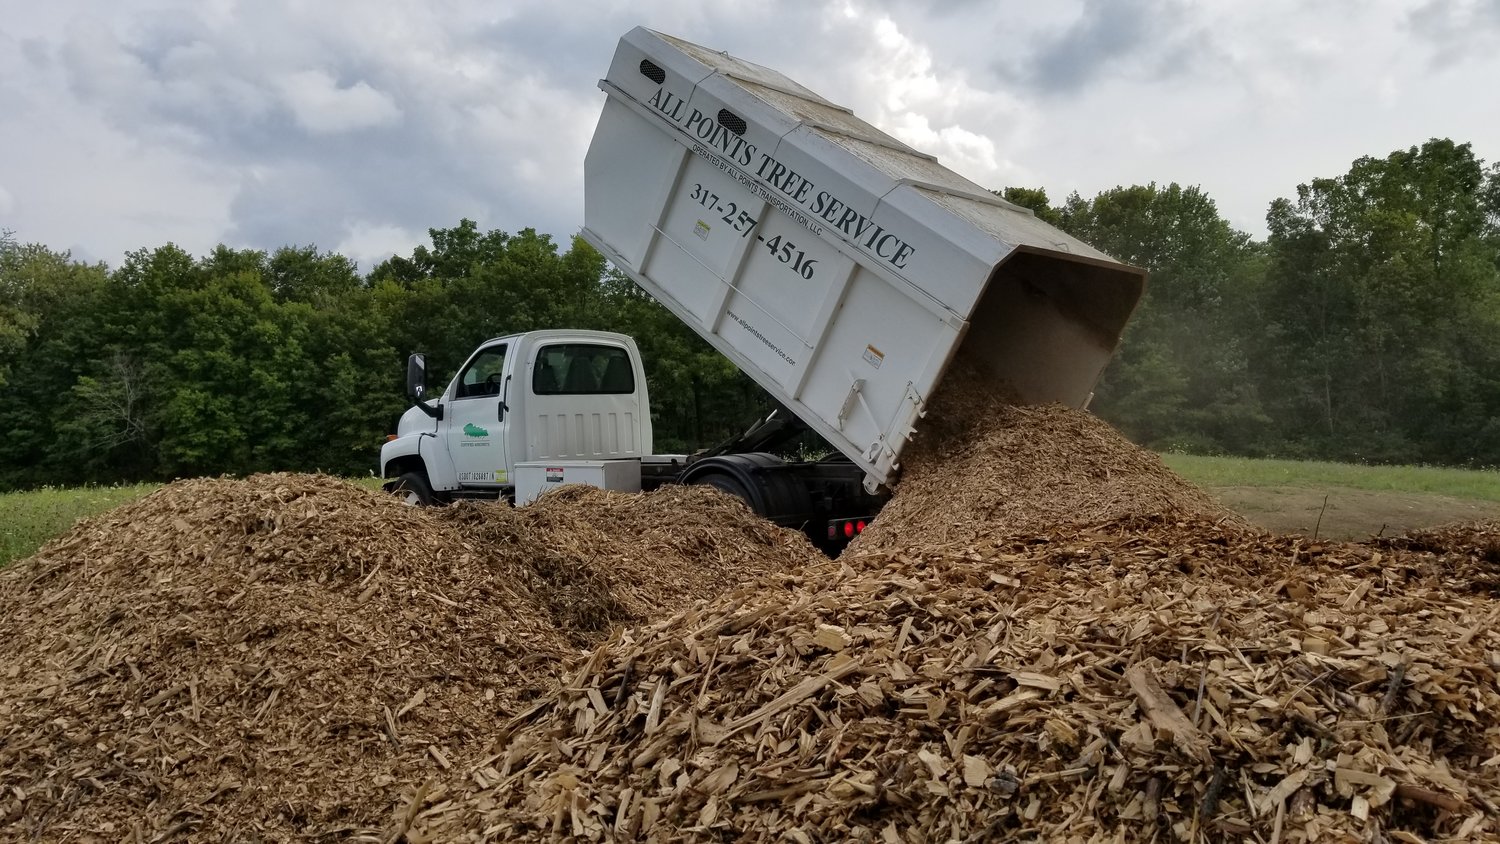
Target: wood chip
{"x": 1007, "y": 652}
{"x": 322, "y": 641}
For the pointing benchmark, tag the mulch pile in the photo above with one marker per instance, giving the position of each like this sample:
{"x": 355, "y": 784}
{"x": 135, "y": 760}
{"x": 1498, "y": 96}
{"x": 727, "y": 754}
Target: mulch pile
{"x": 1045, "y": 635}
{"x": 596, "y": 558}
{"x": 1131, "y": 680}
{"x": 982, "y": 466}
{"x": 1471, "y": 551}
{"x": 277, "y": 657}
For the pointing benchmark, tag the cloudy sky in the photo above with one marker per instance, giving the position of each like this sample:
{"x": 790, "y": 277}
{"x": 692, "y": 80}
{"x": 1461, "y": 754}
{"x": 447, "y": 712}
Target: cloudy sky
{"x": 356, "y": 125}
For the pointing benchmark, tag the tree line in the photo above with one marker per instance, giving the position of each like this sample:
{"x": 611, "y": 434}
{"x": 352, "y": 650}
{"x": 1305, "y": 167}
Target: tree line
{"x": 1366, "y": 327}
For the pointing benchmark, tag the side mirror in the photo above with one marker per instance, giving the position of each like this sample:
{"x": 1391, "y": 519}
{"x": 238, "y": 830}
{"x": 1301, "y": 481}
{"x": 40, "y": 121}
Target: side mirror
{"x": 416, "y": 377}
{"x": 416, "y": 385}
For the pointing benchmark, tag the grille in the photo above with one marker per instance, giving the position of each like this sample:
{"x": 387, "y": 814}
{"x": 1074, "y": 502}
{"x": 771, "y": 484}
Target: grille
{"x": 651, "y": 71}
{"x": 731, "y": 121}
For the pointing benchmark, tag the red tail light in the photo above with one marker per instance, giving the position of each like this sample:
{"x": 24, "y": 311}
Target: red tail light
{"x": 846, "y": 528}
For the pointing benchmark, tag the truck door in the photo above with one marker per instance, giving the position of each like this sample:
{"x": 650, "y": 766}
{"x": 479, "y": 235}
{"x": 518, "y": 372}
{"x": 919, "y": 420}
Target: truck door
{"x": 477, "y": 419}
{"x": 585, "y": 403}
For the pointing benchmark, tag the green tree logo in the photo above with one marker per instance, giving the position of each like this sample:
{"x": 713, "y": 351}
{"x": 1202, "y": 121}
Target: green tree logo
{"x": 472, "y": 430}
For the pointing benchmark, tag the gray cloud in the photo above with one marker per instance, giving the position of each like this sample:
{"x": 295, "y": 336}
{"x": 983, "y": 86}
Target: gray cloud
{"x": 1134, "y": 37}
{"x": 359, "y": 124}
{"x": 325, "y": 133}
{"x": 1456, "y": 30}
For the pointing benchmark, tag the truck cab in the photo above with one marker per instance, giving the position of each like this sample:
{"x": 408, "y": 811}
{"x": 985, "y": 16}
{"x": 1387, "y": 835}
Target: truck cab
{"x": 542, "y": 395}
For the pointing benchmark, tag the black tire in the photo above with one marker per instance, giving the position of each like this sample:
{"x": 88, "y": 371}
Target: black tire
{"x": 413, "y": 488}
{"x": 725, "y": 483}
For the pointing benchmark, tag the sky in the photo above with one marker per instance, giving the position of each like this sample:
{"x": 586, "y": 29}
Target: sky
{"x": 358, "y": 125}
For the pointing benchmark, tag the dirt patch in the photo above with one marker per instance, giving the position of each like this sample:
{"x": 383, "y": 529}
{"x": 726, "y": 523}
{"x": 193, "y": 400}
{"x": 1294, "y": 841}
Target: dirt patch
{"x": 1348, "y": 514}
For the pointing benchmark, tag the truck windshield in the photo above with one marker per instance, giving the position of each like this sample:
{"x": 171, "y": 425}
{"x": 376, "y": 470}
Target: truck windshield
{"x": 582, "y": 369}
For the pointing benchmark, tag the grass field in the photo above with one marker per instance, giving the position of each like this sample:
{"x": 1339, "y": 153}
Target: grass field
{"x": 28, "y": 519}
{"x": 1342, "y": 500}
{"x": 1333, "y": 500}
{"x": 1239, "y": 471}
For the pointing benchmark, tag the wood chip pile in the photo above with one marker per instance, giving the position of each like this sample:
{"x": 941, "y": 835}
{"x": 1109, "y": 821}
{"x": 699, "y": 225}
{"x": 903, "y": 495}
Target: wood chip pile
{"x": 1045, "y": 635}
{"x": 1470, "y": 550}
{"x": 278, "y": 657}
{"x": 1130, "y": 680}
{"x": 597, "y": 558}
{"x": 982, "y": 466}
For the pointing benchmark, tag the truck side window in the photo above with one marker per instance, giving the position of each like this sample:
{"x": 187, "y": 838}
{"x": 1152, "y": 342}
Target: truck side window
{"x": 482, "y": 377}
{"x": 582, "y": 369}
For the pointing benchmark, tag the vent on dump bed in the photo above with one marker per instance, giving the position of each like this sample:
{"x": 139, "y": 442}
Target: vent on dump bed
{"x": 731, "y": 121}
{"x": 651, "y": 71}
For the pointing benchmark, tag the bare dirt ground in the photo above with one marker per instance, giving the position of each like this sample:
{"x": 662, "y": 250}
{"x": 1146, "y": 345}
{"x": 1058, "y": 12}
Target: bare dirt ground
{"x": 1350, "y": 513}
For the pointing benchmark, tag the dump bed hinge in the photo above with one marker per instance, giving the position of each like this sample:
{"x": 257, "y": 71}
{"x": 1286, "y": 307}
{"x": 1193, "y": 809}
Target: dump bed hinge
{"x": 850, "y": 400}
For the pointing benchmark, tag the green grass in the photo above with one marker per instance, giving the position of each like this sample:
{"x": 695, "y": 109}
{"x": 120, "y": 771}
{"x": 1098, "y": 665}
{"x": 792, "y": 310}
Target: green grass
{"x": 29, "y": 519}
{"x": 1483, "y": 485}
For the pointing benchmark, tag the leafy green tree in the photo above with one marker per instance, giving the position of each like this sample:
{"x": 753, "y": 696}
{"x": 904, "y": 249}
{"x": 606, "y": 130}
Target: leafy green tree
{"x": 62, "y": 303}
{"x": 1181, "y": 377}
{"x": 1383, "y": 283}
{"x": 172, "y": 365}
{"x": 469, "y": 287}
{"x": 15, "y": 323}
{"x": 303, "y": 274}
{"x": 1036, "y": 200}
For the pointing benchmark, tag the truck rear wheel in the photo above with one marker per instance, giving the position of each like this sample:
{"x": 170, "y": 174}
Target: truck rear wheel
{"x": 413, "y": 489}
{"x": 766, "y": 484}
{"x": 729, "y": 485}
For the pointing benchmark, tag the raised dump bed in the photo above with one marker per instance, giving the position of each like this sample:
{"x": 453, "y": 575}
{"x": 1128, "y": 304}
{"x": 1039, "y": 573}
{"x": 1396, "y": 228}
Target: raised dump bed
{"x": 837, "y": 266}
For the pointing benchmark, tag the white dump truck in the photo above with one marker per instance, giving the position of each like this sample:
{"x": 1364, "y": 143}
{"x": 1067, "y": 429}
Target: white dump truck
{"x": 838, "y": 267}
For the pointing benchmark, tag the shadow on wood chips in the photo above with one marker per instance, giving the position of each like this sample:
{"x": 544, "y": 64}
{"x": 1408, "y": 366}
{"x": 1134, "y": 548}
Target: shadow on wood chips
{"x": 595, "y": 558}
{"x": 1045, "y": 635}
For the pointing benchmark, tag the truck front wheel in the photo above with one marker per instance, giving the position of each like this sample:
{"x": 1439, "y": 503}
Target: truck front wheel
{"x": 413, "y": 489}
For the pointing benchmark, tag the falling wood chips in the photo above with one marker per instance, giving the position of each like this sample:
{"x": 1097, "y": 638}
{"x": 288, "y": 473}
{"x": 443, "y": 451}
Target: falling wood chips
{"x": 279, "y": 656}
{"x": 982, "y": 467}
